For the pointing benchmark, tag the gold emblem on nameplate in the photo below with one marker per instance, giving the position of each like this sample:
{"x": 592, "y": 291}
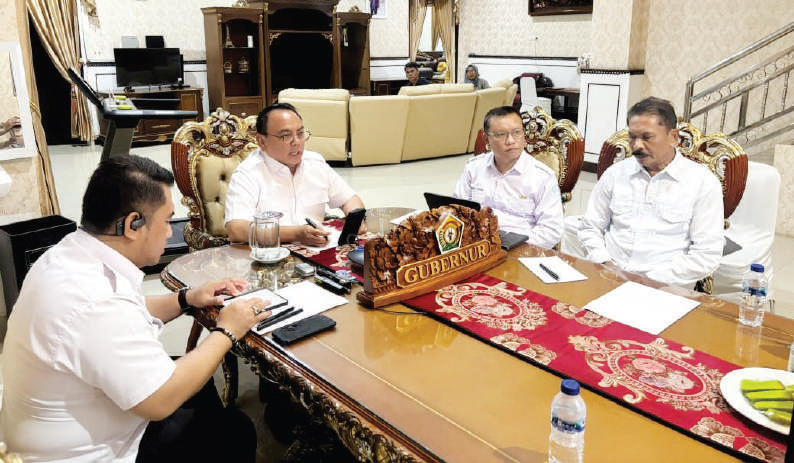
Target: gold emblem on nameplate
{"x": 449, "y": 234}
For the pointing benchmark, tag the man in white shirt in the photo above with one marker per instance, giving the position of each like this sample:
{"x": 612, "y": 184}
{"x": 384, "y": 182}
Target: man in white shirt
{"x": 84, "y": 372}
{"x": 281, "y": 176}
{"x": 656, "y": 213}
{"x": 521, "y": 190}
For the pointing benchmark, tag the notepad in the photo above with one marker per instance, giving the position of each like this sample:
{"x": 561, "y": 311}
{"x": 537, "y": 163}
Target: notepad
{"x": 565, "y": 272}
{"x": 642, "y": 307}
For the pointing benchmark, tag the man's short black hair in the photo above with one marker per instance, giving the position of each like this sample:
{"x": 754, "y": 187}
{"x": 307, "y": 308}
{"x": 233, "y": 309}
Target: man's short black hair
{"x": 122, "y": 185}
{"x": 261, "y": 119}
{"x": 498, "y": 111}
{"x": 411, "y": 64}
{"x": 658, "y": 107}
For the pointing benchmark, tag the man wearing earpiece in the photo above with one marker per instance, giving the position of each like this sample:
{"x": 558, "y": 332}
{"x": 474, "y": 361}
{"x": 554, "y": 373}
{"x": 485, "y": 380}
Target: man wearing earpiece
{"x": 85, "y": 376}
{"x": 656, "y": 213}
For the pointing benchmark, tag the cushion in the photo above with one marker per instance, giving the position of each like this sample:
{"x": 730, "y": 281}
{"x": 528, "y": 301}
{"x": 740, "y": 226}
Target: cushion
{"x": 431, "y": 89}
{"x": 337, "y": 94}
{"x": 457, "y": 88}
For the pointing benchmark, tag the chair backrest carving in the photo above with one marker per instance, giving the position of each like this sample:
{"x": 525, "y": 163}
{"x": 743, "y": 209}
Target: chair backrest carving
{"x": 556, "y": 143}
{"x": 203, "y": 157}
{"x": 722, "y": 155}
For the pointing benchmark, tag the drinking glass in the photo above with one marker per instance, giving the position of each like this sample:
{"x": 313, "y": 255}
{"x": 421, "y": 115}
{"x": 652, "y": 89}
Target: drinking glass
{"x": 263, "y": 236}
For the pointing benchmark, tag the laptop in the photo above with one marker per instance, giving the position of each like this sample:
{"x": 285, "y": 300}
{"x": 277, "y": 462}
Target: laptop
{"x": 509, "y": 239}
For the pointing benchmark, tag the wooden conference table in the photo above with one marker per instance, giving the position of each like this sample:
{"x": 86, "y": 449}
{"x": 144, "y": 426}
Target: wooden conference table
{"x": 404, "y": 387}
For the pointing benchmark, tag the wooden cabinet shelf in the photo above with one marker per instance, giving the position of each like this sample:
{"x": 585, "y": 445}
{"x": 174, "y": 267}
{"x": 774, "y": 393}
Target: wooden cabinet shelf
{"x": 149, "y": 130}
{"x": 296, "y": 43}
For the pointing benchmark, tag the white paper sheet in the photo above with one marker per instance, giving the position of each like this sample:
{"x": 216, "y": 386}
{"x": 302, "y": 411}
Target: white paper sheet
{"x": 333, "y": 240}
{"x": 307, "y": 296}
{"x": 642, "y": 307}
{"x": 564, "y": 271}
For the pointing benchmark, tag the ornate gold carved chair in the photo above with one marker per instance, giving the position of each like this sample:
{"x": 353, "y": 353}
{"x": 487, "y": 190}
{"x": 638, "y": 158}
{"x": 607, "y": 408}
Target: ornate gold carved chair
{"x": 723, "y": 157}
{"x": 556, "y": 143}
{"x": 203, "y": 157}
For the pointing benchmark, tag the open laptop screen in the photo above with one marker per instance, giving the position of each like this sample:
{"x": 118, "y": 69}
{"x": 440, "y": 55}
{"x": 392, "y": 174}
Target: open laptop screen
{"x": 434, "y": 201}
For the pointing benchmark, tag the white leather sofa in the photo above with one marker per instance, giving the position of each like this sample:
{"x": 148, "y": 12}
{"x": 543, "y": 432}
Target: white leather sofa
{"x": 325, "y": 115}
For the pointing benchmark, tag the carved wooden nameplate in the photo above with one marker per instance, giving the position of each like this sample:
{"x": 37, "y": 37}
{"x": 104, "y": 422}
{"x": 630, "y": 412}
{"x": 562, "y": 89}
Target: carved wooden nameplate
{"x": 429, "y": 251}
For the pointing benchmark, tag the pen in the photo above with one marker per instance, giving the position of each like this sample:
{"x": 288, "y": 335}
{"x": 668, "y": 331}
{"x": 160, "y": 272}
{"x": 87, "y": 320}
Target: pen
{"x": 314, "y": 225}
{"x": 272, "y": 320}
{"x": 548, "y": 270}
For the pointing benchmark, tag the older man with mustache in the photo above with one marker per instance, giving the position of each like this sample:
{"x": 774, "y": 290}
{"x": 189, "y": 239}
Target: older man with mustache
{"x": 657, "y": 213}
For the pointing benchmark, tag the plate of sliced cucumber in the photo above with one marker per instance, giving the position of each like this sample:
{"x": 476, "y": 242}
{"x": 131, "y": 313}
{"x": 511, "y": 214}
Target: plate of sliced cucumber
{"x": 763, "y": 395}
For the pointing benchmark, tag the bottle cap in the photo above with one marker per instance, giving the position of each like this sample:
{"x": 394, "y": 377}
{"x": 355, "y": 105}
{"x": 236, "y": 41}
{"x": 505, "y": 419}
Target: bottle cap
{"x": 569, "y": 387}
{"x": 757, "y": 268}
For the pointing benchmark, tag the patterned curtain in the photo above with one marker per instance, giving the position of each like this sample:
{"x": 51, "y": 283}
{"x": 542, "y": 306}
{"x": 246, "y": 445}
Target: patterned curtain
{"x": 48, "y": 199}
{"x": 416, "y": 19}
{"x": 444, "y": 12}
{"x": 56, "y": 23}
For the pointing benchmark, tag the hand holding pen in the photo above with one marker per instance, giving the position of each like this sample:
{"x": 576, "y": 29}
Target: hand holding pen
{"x": 316, "y": 231}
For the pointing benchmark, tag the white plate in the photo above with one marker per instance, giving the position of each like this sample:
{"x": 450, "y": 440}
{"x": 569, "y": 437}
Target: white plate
{"x": 730, "y": 386}
{"x": 282, "y": 253}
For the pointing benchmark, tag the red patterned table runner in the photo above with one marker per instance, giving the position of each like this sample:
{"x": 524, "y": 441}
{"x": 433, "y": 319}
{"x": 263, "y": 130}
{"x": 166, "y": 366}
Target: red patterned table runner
{"x": 332, "y": 258}
{"x": 669, "y": 382}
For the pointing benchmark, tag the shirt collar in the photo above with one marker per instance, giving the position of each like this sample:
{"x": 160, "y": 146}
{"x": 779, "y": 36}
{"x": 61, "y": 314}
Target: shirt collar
{"x": 521, "y": 166}
{"x": 675, "y": 169}
{"x": 110, "y": 258}
{"x": 277, "y": 167}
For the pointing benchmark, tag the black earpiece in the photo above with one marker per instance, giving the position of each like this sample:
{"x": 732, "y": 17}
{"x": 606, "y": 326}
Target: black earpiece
{"x": 134, "y": 225}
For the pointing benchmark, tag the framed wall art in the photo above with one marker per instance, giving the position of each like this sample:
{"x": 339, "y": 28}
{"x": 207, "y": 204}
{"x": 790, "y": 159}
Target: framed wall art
{"x": 551, "y": 7}
{"x": 16, "y": 123}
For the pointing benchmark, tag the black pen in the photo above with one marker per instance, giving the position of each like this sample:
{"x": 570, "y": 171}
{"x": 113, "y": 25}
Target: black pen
{"x": 548, "y": 270}
{"x": 314, "y": 225}
{"x": 277, "y": 318}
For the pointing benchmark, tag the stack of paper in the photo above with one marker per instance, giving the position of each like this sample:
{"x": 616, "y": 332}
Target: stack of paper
{"x": 642, "y": 307}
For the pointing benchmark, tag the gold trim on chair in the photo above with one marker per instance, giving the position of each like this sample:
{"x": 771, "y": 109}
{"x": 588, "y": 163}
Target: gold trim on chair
{"x": 556, "y": 143}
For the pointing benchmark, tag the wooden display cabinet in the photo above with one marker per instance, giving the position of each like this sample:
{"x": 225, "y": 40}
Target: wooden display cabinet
{"x": 296, "y": 44}
{"x": 235, "y": 59}
{"x": 190, "y": 99}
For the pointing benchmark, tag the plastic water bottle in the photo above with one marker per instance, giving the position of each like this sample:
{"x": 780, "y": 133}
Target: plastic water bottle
{"x": 754, "y": 290}
{"x": 568, "y": 414}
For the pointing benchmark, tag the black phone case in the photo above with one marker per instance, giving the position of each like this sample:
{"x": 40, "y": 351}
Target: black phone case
{"x": 352, "y": 224}
{"x": 301, "y": 329}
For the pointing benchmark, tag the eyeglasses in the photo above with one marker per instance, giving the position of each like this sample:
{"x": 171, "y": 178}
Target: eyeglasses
{"x": 302, "y": 135}
{"x": 517, "y": 134}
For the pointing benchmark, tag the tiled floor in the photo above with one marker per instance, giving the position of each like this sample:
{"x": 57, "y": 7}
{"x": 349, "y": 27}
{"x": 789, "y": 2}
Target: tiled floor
{"x": 378, "y": 186}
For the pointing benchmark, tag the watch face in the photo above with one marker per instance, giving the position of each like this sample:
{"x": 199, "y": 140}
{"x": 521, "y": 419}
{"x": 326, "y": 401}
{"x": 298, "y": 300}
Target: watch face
{"x": 449, "y": 234}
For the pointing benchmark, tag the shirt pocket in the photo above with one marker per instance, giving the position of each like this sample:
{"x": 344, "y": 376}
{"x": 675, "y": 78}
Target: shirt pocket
{"x": 522, "y": 207}
{"x": 674, "y": 216}
{"x": 478, "y": 194}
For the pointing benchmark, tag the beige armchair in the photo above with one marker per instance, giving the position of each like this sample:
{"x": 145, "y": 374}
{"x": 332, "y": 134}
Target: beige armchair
{"x": 325, "y": 115}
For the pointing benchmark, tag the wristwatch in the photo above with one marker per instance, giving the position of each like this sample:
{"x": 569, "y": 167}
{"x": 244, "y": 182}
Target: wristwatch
{"x": 182, "y": 298}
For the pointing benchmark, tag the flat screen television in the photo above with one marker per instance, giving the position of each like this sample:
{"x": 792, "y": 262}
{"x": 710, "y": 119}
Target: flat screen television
{"x": 147, "y": 66}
